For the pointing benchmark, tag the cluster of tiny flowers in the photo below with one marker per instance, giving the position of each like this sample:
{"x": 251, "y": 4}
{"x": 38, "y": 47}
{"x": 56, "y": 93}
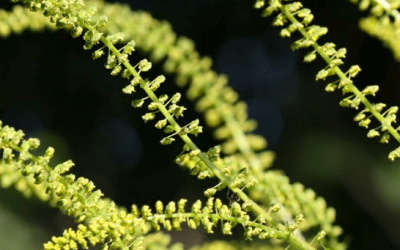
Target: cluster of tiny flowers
{"x": 272, "y": 187}
{"x": 189, "y": 157}
{"x": 294, "y": 197}
{"x": 72, "y": 15}
{"x": 230, "y": 165}
{"x": 177, "y": 57}
{"x": 106, "y": 224}
{"x": 209, "y": 216}
{"x": 215, "y": 98}
{"x": 22, "y": 19}
{"x": 209, "y": 104}
{"x": 66, "y": 15}
{"x": 388, "y": 33}
{"x": 297, "y": 199}
{"x": 379, "y": 25}
{"x": 173, "y": 109}
{"x": 110, "y": 226}
{"x": 256, "y": 142}
{"x": 117, "y": 58}
{"x": 311, "y": 33}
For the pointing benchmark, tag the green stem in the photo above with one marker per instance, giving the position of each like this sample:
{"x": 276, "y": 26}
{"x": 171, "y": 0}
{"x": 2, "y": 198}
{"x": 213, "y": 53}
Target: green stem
{"x": 218, "y": 216}
{"x": 342, "y": 75}
{"x": 48, "y": 169}
{"x": 291, "y": 238}
{"x": 288, "y": 237}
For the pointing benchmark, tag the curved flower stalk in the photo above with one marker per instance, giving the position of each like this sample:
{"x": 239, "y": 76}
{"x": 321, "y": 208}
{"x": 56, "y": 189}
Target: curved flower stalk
{"x": 159, "y": 39}
{"x": 311, "y": 33}
{"x": 20, "y": 20}
{"x": 273, "y": 188}
{"x": 297, "y": 199}
{"x": 77, "y": 197}
{"x": 113, "y": 227}
{"x": 106, "y": 223}
{"x": 271, "y": 193}
{"x": 210, "y": 216}
{"x": 153, "y": 26}
{"x": 220, "y": 109}
{"x": 72, "y": 14}
{"x": 219, "y": 102}
{"x": 379, "y": 25}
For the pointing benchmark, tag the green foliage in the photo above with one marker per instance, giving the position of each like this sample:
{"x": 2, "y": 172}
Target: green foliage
{"x": 267, "y": 207}
{"x": 379, "y": 24}
{"x": 290, "y": 13}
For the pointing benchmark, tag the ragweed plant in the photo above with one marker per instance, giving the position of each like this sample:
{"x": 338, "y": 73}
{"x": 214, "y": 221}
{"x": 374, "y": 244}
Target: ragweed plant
{"x": 293, "y": 12}
{"x": 383, "y": 22}
{"x": 265, "y": 204}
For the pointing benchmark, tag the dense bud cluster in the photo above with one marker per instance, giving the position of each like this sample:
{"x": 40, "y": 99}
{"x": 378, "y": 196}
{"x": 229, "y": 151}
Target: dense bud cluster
{"x": 286, "y": 211}
{"x": 383, "y": 22}
{"x": 210, "y": 215}
{"x": 216, "y": 108}
{"x": 77, "y": 197}
{"x": 21, "y": 19}
{"x": 290, "y": 13}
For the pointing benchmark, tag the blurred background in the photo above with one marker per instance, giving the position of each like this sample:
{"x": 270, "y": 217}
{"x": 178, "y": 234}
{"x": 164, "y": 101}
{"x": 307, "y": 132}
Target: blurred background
{"x": 51, "y": 88}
